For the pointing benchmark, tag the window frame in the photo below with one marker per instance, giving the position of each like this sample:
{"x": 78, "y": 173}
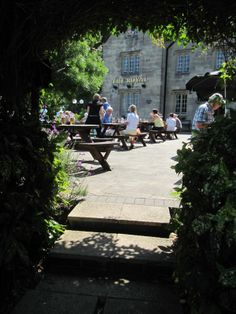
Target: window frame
{"x": 129, "y": 97}
{"x": 219, "y": 59}
{"x": 183, "y": 63}
{"x": 183, "y": 102}
{"x": 130, "y": 63}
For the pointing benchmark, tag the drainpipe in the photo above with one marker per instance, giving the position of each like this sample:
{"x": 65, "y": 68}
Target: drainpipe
{"x": 165, "y": 78}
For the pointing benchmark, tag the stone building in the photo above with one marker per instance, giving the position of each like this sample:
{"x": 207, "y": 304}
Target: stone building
{"x": 152, "y": 76}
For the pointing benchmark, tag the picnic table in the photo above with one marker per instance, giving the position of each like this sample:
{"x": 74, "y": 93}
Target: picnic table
{"x": 116, "y": 126}
{"x": 145, "y": 126}
{"x": 83, "y": 130}
{"x": 100, "y": 150}
{"x": 123, "y": 138}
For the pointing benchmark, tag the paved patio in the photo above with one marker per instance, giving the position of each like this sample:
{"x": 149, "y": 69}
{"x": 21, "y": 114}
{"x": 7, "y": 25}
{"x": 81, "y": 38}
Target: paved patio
{"x": 138, "y": 190}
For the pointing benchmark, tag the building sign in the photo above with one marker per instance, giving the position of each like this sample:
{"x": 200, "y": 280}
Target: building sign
{"x": 132, "y": 79}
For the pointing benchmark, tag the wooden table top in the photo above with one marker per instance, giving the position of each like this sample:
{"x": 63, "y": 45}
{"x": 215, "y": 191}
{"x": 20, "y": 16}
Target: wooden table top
{"x": 113, "y": 124}
{"x": 78, "y": 126}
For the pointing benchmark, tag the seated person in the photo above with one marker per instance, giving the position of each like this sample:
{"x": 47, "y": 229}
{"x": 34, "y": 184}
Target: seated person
{"x": 170, "y": 124}
{"x": 107, "y": 118}
{"x": 84, "y": 118}
{"x": 132, "y": 123}
{"x": 158, "y": 123}
{"x": 178, "y": 123}
{"x": 105, "y": 103}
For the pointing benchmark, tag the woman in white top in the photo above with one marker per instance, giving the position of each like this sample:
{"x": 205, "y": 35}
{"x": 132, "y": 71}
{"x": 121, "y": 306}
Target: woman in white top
{"x": 132, "y": 123}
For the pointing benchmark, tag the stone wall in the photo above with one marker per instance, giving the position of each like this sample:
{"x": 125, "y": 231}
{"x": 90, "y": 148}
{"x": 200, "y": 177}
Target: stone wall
{"x": 157, "y": 83}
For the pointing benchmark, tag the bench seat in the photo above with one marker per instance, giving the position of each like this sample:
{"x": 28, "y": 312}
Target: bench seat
{"x": 96, "y": 150}
{"x": 101, "y": 139}
{"x": 163, "y": 134}
{"x": 124, "y": 137}
{"x": 153, "y": 134}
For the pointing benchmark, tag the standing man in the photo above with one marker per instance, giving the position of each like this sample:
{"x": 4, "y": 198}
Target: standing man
{"x": 204, "y": 115}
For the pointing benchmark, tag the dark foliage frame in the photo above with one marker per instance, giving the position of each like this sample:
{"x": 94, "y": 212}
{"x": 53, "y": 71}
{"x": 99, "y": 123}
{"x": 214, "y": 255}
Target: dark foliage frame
{"x": 27, "y": 30}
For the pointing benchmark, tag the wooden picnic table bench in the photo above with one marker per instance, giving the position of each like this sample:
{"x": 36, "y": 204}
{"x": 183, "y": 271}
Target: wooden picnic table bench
{"x": 96, "y": 146}
{"x": 96, "y": 149}
{"x": 83, "y": 130}
{"x": 101, "y": 139}
{"x": 163, "y": 134}
{"x": 116, "y": 126}
{"x": 73, "y": 143}
{"x": 153, "y": 134}
{"x": 124, "y": 137}
{"x": 171, "y": 134}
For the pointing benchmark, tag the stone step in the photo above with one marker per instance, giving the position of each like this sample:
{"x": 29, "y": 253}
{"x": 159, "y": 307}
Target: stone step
{"x": 57, "y": 294}
{"x": 111, "y": 252}
{"x": 120, "y": 218}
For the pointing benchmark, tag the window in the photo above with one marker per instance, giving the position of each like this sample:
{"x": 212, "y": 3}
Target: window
{"x": 130, "y": 64}
{"x": 181, "y": 103}
{"x": 183, "y": 61}
{"x": 131, "y": 33}
{"x": 129, "y": 98}
{"x": 220, "y": 58}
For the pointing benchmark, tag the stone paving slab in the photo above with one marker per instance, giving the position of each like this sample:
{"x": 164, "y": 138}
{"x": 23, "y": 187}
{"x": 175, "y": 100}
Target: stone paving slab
{"x": 46, "y": 302}
{"x": 95, "y": 210}
{"x": 113, "y": 247}
{"x": 116, "y": 287}
{"x": 84, "y": 244}
{"x": 142, "y": 173}
{"x": 121, "y": 306}
{"x": 148, "y": 215}
{"x": 60, "y": 294}
{"x": 143, "y": 248}
{"x": 165, "y": 202}
{"x": 142, "y": 177}
{"x": 119, "y": 213}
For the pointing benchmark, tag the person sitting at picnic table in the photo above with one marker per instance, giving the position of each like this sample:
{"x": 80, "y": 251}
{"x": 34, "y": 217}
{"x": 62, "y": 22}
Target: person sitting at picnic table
{"x": 159, "y": 124}
{"x": 107, "y": 118}
{"x": 132, "y": 123}
{"x": 105, "y": 103}
{"x": 178, "y": 123}
{"x": 170, "y": 125}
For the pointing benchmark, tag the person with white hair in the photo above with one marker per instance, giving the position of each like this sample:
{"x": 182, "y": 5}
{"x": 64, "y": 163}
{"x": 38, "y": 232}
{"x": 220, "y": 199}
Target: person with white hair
{"x": 132, "y": 123}
{"x": 204, "y": 114}
{"x": 178, "y": 124}
{"x": 107, "y": 118}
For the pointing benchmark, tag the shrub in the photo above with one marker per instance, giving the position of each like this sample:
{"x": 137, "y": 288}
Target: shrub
{"x": 206, "y": 246}
{"x": 33, "y": 179}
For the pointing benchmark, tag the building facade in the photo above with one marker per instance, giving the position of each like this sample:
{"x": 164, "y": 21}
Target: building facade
{"x": 151, "y": 76}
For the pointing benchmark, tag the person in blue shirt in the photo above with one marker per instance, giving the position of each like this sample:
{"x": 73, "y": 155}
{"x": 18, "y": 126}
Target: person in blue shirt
{"x": 107, "y": 118}
{"x": 204, "y": 114}
{"x": 105, "y": 103}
